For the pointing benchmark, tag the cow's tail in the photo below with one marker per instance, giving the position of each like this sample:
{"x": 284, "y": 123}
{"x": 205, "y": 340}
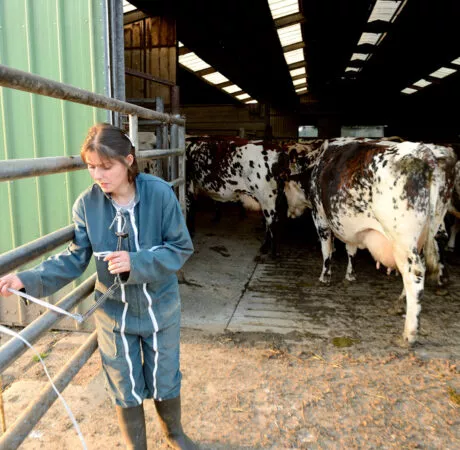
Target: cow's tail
{"x": 441, "y": 182}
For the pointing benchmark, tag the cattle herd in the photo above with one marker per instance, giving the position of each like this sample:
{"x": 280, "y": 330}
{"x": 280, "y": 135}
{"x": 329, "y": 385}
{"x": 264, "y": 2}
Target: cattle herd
{"x": 388, "y": 197}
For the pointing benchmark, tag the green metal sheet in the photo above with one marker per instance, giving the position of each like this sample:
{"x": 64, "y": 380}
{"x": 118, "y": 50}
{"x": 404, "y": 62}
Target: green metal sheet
{"x": 64, "y": 41}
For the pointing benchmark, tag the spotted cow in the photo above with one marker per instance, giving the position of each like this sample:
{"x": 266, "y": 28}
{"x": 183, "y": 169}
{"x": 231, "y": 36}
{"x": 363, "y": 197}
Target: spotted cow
{"x": 388, "y": 197}
{"x": 454, "y": 210}
{"x": 237, "y": 170}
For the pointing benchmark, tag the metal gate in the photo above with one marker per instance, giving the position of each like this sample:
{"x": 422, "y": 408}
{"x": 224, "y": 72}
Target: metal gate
{"x": 173, "y": 126}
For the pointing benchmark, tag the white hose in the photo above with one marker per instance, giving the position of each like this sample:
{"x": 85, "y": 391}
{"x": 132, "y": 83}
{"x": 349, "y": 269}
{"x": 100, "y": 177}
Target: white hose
{"x": 69, "y": 412}
{"x": 77, "y": 317}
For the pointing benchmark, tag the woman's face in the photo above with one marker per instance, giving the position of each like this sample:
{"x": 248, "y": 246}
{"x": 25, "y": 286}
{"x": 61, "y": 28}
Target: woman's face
{"x": 110, "y": 174}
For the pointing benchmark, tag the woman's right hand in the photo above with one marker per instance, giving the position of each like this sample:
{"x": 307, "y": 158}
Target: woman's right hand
{"x": 9, "y": 281}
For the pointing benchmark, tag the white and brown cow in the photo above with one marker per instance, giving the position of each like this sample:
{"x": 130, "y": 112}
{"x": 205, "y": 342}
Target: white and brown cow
{"x": 237, "y": 170}
{"x": 388, "y": 197}
{"x": 454, "y": 210}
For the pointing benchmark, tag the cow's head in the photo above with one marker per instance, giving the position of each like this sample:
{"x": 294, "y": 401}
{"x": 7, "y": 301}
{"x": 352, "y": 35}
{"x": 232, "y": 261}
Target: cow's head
{"x": 296, "y": 199}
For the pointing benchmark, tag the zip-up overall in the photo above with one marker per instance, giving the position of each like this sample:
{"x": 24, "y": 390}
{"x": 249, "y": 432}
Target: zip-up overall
{"x": 138, "y": 326}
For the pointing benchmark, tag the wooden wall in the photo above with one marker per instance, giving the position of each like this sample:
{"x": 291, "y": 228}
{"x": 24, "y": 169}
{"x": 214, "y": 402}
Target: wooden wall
{"x": 150, "y": 47}
{"x": 230, "y": 120}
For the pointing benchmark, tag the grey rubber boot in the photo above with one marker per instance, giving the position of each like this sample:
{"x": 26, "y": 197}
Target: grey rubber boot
{"x": 132, "y": 426}
{"x": 169, "y": 413}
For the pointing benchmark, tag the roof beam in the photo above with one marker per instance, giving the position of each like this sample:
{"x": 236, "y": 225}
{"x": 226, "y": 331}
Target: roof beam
{"x": 289, "y": 20}
{"x": 296, "y": 46}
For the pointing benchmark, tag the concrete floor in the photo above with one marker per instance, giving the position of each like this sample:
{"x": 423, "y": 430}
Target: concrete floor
{"x": 228, "y": 286}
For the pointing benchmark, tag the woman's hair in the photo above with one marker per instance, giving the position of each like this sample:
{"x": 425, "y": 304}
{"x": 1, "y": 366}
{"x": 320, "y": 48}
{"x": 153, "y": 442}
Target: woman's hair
{"x": 110, "y": 142}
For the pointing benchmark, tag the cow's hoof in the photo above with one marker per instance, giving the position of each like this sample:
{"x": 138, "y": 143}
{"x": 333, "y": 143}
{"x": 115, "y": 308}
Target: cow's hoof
{"x": 396, "y": 310}
{"x": 350, "y": 277}
{"x": 409, "y": 339}
{"x": 264, "y": 248}
{"x": 325, "y": 279}
{"x": 441, "y": 292}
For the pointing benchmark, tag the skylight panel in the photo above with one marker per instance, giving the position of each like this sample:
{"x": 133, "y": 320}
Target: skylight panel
{"x": 193, "y": 62}
{"x": 369, "y": 38}
{"x": 215, "y": 78}
{"x": 231, "y": 89}
{"x": 127, "y": 7}
{"x": 299, "y": 81}
{"x": 456, "y": 61}
{"x": 281, "y": 8}
{"x": 301, "y": 90}
{"x": 352, "y": 69}
{"x": 442, "y": 72}
{"x": 296, "y": 72}
{"x": 422, "y": 83}
{"x": 251, "y": 101}
{"x": 384, "y": 10}
{"x": 408, "y": 91}
{"x": 294, "y": 56}
{"x": 243, "y": 96}
{"x": 359, "y": 56}
{"x": 290, "y": 35}
{"x": 179, "y": 44}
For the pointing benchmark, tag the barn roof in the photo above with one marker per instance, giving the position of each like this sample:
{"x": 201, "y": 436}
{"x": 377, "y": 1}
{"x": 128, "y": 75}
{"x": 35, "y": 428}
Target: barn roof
{"x": 357, "y": 52}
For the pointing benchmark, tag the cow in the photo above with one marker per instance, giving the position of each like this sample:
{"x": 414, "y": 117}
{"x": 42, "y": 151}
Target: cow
{"x": 454, "y": 210}
{"x": 388, "y": 197}
{"x": 238, "y": 170}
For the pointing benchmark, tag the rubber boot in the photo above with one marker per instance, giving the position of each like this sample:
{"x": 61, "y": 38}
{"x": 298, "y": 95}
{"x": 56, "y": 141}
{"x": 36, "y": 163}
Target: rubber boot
{"x": 132, "y": 426}
{"x": 169, "y": 413}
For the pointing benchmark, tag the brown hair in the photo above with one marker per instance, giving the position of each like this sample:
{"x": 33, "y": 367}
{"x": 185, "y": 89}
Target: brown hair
{"x": 110, "y": 142}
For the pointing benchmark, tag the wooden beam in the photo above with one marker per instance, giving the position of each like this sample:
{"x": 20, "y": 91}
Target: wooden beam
{"x": 298, "y": 77}
{"x": 207, "y": 71}
{"x": 297, "y": 65}
{"x": 133, "y": 16}
{"x": 297, "y": 46}
{"x": 289, "y": 20}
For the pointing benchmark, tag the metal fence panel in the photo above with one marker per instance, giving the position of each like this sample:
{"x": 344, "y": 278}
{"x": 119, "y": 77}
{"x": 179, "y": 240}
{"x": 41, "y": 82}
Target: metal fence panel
{"x": 64, "y": 41}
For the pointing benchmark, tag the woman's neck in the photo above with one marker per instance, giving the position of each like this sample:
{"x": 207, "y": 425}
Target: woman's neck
{"x": 124, "y": 195}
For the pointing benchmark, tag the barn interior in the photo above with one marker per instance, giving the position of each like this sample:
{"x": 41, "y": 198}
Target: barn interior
{"x": 287, "y": 69}
{"x": 385, "y": 63}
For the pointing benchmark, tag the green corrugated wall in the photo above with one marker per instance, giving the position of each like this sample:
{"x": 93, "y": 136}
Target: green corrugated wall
{"x": 63, "y": 40}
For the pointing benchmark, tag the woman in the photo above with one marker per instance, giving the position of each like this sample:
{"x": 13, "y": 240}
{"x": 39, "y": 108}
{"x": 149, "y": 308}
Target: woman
{"x": 133, "y": 225}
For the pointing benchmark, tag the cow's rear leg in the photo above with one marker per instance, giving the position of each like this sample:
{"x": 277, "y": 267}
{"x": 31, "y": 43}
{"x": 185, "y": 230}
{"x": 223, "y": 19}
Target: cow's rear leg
{"x": 412, "y": 269}
{"x": 351, "y": 252}
{"x": 325, "y": 237}
{"x": 454, "y": 229}
{"x": 399, "y": 304}
{"x": 191, "y": 212}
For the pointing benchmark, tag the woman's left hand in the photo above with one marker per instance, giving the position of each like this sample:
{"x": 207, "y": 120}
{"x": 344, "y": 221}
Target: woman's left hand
{"x": 119, "y": 262}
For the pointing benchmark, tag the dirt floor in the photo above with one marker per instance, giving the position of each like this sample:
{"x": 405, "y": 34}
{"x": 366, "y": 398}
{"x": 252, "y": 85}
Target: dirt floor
{"x": 286, "y": 365}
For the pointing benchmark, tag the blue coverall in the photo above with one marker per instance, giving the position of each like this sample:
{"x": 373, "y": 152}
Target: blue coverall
{"x": 138, "y": 326}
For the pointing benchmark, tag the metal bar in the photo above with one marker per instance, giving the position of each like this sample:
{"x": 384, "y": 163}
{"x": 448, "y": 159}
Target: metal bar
{"x": 117, "y": 54}
{"x": 162, "y": 140}
{"x": 133, "y": 131}
{"x": 141, "y": 100}
{"x": 35, "y": 84}
{"x": 32, "y": 250}
{"x": 14, "y": 348}
{"x": 176, "y": 182}
{"x": 175, "y": 100}
{"x": 182, "y": 174}
{"x": 24, "y": 424}
{"x": 157, "y": 154}
{"x": 2, "y": 408}
{"x": 13, "y": 169}
{"x": 147, "y": 76}
{"x": 174, "y": 144}
{"x": 149, "y": 122}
